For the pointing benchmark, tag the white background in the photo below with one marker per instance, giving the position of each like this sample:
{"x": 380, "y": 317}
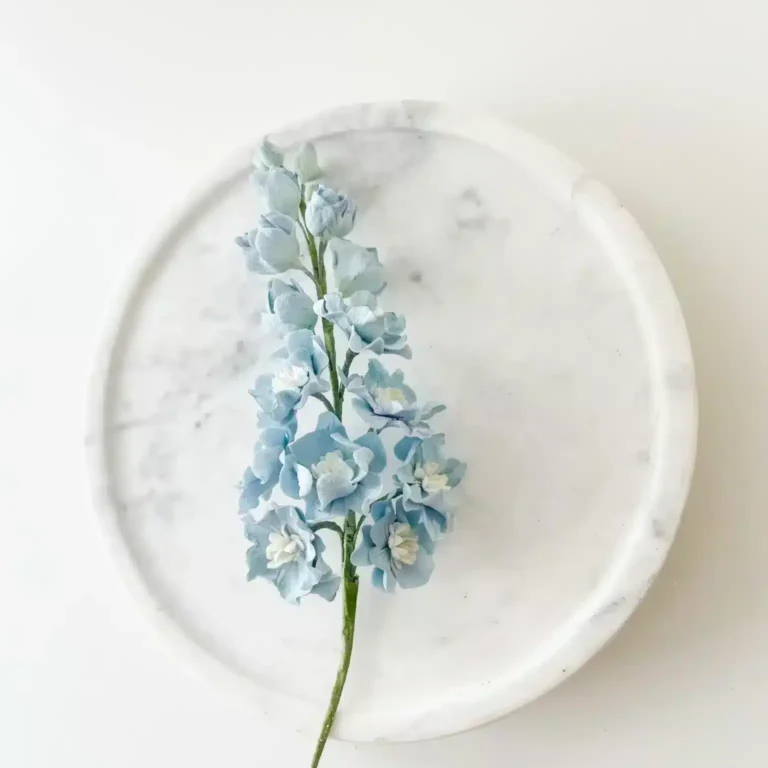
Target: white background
{"x": 110, "y": 112}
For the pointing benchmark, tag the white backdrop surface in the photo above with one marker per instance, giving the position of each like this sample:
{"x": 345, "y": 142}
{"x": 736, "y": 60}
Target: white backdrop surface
{"x": 110, "y": 113}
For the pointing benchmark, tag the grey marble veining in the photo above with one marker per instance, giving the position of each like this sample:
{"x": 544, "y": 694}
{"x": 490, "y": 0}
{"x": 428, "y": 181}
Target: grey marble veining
{"x": 537, "y": 311}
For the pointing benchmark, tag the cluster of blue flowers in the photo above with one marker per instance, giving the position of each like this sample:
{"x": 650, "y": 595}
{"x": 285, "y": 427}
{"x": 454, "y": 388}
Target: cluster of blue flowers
{"x": 324, "y": 475}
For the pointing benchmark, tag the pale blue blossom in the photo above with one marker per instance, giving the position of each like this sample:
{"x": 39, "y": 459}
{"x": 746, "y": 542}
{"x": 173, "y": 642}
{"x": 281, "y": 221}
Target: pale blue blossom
{"x": 267, "y": 156}
{"x": 291, "y": 308}
{"x": 397, "y": 545}
{"x": 279, "y": 189}
{"x": 330, "y": 214}
{"x": 356, "y": 268}
{"x": 306, "y": 166}
{"x": 384, "y": 400}
{"x": 278, "y": 405}
{"x": 425, "y": 478}
{"x": 272, "y": 247}
{"x": 333, "y": 474}
{"x": 298, "y": 376}
{"x": 394, "y": 529}
{"x": 366, "y": 326}
{"x": 285, "y": 551}
{"x": 266, "y": 463}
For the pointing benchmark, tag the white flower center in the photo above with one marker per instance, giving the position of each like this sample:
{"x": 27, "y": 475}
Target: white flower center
{"x": 290, "y": 377}
{"x": 284, "y": 547}
{"x": 333, "y": 464}
{"x": 403, "y": 544}
{"x": 430, "y": 477}
{"x": 390, "y": 400}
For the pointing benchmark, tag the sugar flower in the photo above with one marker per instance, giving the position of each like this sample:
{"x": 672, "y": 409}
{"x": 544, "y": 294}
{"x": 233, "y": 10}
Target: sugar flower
{"x": 272, "y": 247}
{"x": 306, "y": 166}
{"x": 356, "y": 268}
{"x": 368, "y": 328}
{"x": 287, "y": 552}
{"x": 332, "y": 473}
{"x": 330, "y": 214}
{"x": 264, "y": 471}
{"x": 426, "y": 478}
{"x": 279, "y": 189}
{"x": 398, "y": 547}
{"x": 290, "y": 306}
{"x": 384, "y": 400}
{"x": 267, "y": 156}
{"x": 298, "y": 376}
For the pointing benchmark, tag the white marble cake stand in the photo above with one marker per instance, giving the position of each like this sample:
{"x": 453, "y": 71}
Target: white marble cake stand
{"x": 538, "y": 311}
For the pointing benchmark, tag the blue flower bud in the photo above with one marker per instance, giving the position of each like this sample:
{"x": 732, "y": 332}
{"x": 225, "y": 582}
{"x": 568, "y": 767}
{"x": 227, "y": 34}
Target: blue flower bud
{"x": 290, "y": 306}
{"x": 356, "y": 268}
{"x": 306, "y": 163}
{"x": 267, "y": 156}
{"x": 272, "y": 247}
{"x": 280, "y": 190}
{"x": 330, "y": 214}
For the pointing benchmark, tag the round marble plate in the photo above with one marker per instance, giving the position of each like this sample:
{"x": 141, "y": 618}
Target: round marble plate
{"x": 537, "y": 311}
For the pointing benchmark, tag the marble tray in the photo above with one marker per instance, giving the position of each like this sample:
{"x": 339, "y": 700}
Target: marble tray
{"x": 538, "y": 311}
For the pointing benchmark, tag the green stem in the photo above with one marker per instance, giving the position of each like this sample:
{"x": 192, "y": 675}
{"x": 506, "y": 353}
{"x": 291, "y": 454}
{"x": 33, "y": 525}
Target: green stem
{"x": 351, "y": 525}
{"x": 348, "y": 360}
{"x": 321, "y": 263}
{"x": 330, "y": 339}
{"x": 330, "y": 345}
{"x": 359, "y": 525}
{"x": 328, "y": 525}
{"x": 349, "y": 596}
{"x": 345, "y": 372}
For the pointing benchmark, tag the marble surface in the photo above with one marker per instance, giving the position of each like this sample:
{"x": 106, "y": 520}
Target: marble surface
{"x": 537, "y": 311}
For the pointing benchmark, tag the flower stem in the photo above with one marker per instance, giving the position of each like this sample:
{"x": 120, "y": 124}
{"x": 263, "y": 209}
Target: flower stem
{"x": 348, "y": 360}
{"x": 351, "y": 529}
{"x": 349, "y": 596}
{"x": 328, "y": 525}
{"x": 316, "y": 255}
{"x": 330, "y": 345}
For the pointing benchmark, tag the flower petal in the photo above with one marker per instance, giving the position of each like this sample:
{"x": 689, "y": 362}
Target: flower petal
{"x": 416, "y": 575}
{"x": 328, "y": 585}
{"x": 310, "y": 448}
{"x": 431, "y": 409}
{"x": 332, "y": 487}
{"x": 382, "y": 580}
{"x": 256, "y": 561}
{"x": 373, "y": 442}
{"x": 250, "y": 496}
{"x": 361, "y": 556}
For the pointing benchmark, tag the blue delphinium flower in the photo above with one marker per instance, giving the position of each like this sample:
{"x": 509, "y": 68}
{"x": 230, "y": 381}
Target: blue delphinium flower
{"x": 425, "y": 478}
{"x": 264, "y": 471}
{"x": 394, "y": 531}
{"x": 397, "y": 545}
{"x": 272, "y": 247}
{"x": 330, "y": 214}
{"x": 298, "y": 377}
{"x": 356, "y": 268}
{"x": 267, "y": 156}
{"x": 384, "y": 400}
{"x": 291, "y": 308}
{"x": 279, "y": 189}
{"x": 287, "y": 552}
{"x": 367, "y": 327}
{"x": 333, "y": 473}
